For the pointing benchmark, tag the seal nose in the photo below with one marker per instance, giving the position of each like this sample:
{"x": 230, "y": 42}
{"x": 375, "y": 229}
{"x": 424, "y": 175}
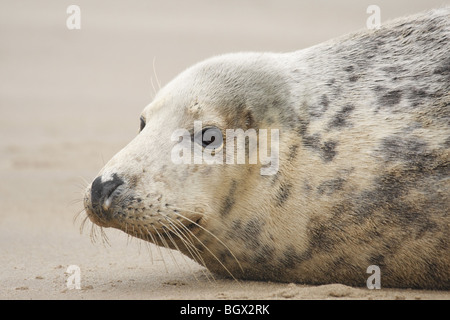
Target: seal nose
{"x": 102, "y": 190}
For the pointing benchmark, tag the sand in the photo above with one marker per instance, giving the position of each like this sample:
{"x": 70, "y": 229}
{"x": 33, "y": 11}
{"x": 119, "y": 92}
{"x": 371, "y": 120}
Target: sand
{"x": 70, "y": 99}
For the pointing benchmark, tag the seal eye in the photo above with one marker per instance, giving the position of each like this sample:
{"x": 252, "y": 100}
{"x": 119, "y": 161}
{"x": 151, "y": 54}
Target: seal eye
{"x": 142, "y": 124}
{"x": 210, "y": 138}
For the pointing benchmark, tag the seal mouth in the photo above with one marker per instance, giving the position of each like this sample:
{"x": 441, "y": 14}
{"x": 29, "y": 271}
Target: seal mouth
{"x": 97, "y": 219}
{"x": 194, "y": 225}
{"x": 191, "y": 226}
{"x": 157, "y": 232}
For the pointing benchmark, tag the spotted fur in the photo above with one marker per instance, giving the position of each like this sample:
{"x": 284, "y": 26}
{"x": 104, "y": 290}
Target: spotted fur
{"x": 364, "y": 175}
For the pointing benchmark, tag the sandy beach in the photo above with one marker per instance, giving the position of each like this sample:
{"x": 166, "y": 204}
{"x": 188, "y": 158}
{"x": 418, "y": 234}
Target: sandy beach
{"x": 71, "y": 99}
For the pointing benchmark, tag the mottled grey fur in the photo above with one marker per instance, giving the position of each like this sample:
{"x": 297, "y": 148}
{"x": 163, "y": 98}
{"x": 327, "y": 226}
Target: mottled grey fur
{"x": 364, "y": 175}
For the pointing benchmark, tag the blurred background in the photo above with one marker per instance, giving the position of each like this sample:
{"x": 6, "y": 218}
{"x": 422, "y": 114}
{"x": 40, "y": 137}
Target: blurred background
{"x": 70, "y": 99}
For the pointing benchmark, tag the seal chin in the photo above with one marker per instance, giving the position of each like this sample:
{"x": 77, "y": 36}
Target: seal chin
{"x": 162, "y": 230}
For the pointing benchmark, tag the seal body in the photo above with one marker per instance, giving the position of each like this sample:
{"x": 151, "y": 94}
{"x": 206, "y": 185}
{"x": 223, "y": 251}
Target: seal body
{"x": 363, "y": 176}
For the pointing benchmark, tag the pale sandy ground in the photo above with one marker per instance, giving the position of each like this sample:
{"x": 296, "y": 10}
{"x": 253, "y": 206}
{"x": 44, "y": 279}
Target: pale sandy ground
{"x": 69, "y": 100}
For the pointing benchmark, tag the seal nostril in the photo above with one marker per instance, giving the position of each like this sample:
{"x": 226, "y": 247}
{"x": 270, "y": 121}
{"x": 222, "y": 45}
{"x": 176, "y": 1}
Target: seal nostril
{"x": 100, "y": 191}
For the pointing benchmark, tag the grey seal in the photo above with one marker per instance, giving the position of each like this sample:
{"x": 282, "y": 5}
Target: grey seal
{"x": 363, "y": 171}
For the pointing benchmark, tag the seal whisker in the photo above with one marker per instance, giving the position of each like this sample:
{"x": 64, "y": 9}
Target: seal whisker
{"x": 178, "y": 209}
{"x": 189, "y": 245}
{"x": 93, "y": 233}
{"x": 150, "y": 251}
{"x": 133, "y": 233}
{"x": 153, "y": 86}
{"x": 154, "y": 72}
{"x": 78, "y": 215}
{"x": 195, "y": 254}
{"x": 206, "y": 247}
{"x": 98, "y": 235}
{"x": 166, "y": 231}
{"x": 158, "y": 247}
{"x": 186, "y": 238}
{"x": 132, "y": 230}
{"x": 123, "y": 196}
{"x": 85, "y": 182}
{"x": 166, "y": 245}
{"x": 103, "y": 159}
{"x": 129, "y": 237}
{"x": 185, "y": 234}
{"x": 130, "y": 233}
{"x": 75, "y": 201}
{"x": 104, "y": 237}
{"x": 142, "y": 236}
{"x": 210, "y": 233}
{"x": 83, "y": 223}
{"x": 82, "y": 185}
